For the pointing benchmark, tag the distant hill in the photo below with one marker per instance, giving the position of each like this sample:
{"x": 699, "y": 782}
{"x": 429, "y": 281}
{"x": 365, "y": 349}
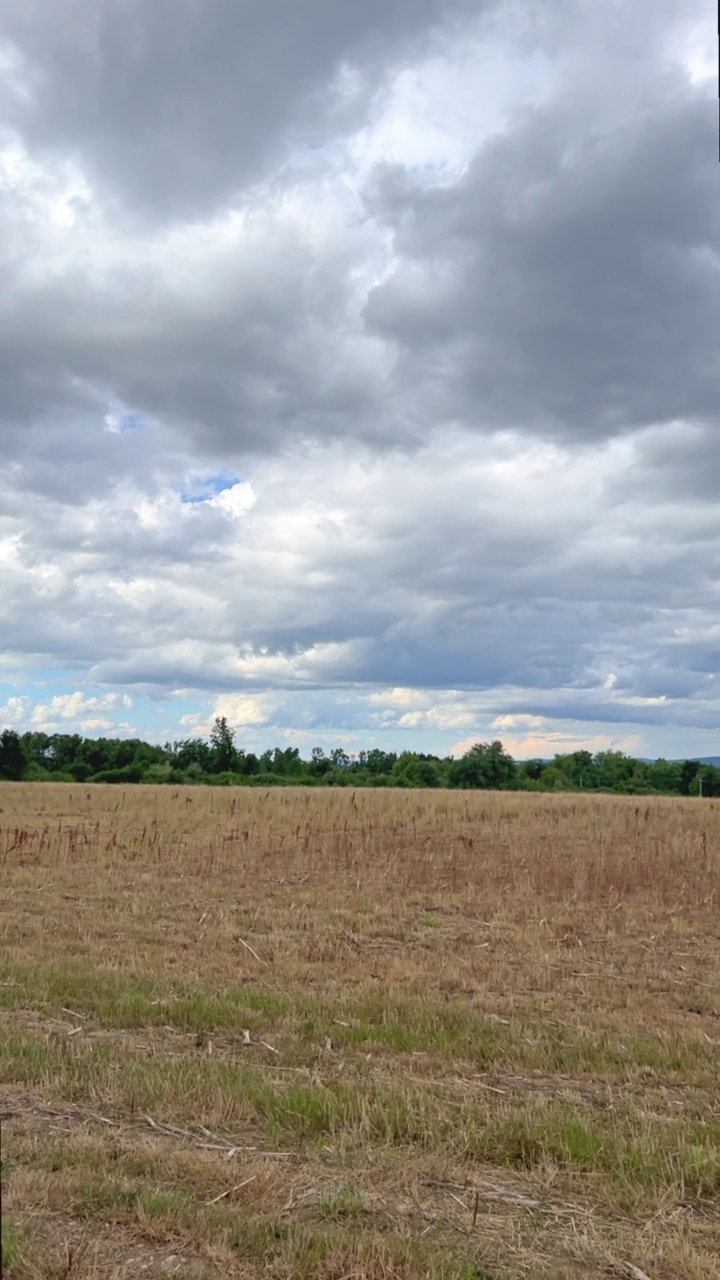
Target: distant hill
{"x": 713, "y": 760}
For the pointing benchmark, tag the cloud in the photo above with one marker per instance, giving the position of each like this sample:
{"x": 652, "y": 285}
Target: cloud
{"x": 547, "y": 742}
{"x": 14, "y": 712}
{"x": 343, "y": 399}
{"x": 177, "y": 106}
{"x": 544, "y": 266}
{"x": 245, "y": 710}
{"x": 520, "y": 578}
{"x": 70, "y": 706}
{"x": 565, "y": 284}
{"x": 68, "y": 713}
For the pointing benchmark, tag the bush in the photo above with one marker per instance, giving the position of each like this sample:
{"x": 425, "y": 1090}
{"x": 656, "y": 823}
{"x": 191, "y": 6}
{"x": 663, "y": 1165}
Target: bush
{"x": 131, "y": 773}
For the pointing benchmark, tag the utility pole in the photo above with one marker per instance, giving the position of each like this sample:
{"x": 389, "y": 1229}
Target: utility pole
{"x": 700, "y": 785}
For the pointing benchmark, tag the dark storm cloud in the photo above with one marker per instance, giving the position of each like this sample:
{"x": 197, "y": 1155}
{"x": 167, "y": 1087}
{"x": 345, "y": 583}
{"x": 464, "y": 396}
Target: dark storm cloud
{"x": 566, "y": 284}
{"x": 677, "y": 463}
{"x": 174, "y": 105}
{"x": 245, "y": 346}
{"x": 563, "y": 288}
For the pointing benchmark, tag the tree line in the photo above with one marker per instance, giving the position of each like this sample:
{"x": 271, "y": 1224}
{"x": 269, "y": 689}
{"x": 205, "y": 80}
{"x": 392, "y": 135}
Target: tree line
{"x": 219, "y": 761}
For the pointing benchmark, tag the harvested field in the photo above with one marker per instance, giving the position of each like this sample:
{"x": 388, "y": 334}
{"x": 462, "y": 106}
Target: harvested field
{"x": 325, "y": 1033}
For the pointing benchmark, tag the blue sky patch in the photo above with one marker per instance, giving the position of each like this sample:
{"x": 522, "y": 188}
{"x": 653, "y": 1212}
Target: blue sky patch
{"x": 201, "y": 489}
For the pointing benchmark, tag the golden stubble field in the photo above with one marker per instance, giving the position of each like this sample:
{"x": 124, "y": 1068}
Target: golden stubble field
{"x": 313, "y": 1033}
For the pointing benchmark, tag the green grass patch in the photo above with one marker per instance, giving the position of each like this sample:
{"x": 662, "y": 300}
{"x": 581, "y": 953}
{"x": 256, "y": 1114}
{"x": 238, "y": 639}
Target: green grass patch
{"x": 629, "y": 1149}
{"x": 374, "y": 1024}
{"x": 106, "y": 1199}
{"x": 14, "y": 1247}
{"x": 335, "y": 1250}
{"x": 635, "y": 1154}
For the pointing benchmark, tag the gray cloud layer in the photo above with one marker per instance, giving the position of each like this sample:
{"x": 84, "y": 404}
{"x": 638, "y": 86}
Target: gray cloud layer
{"x": 175, "y": 105}
{"x": 468, "y": 370}
{"x": 574, "y": 297}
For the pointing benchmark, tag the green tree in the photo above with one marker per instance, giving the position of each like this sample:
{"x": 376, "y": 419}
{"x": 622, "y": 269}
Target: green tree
{"x": 38, "y": 749}
{"x": 287, "y": 763}
{"x": 688, "y": 773}
{"x": 578, "y": 768}
{"x": 530, "y": 773}
{"x": 706, "y": 781}
{"x": 64, "y": 755}
{"x": 12, "y": 756}
{"x": 553, "y": 779}
{"x": 251, "y": 764}
{"x": 423, "y": 773}
{"x": 380, "y": 762}
{"x": 191, "y": 753}
{"x": 613, "y": 770}
{"x": 319, "y": 763}
{"x": 222, "y": 745}
{"x": 664, "y": 775}
{"x": 486, "y": 765}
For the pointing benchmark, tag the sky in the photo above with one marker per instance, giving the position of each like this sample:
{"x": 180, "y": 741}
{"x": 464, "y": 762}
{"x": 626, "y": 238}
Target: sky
{"x": 359, "y": 373}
